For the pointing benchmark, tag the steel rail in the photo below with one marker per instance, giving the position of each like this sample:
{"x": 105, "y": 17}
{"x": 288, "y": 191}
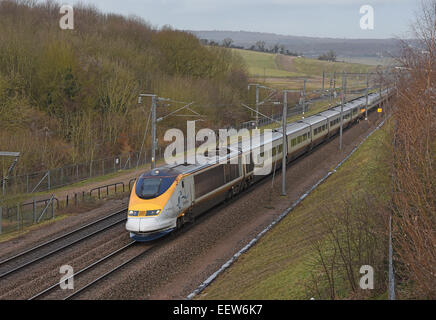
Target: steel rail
{"x": 47, "y": 290}
{"x": 53, "y": 241}
{"x": 113, "y": 270}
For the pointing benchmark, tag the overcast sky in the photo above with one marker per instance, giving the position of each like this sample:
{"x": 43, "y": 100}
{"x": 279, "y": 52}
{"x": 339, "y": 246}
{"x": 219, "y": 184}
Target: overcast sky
{"x": 320, "y": 18}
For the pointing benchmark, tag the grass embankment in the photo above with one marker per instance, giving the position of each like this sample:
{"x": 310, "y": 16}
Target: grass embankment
{"x": 278, "y": 70}
{"x": 285, "y": 262}
{"x": 313, "y": 67}
{"x": 263, "y": 64}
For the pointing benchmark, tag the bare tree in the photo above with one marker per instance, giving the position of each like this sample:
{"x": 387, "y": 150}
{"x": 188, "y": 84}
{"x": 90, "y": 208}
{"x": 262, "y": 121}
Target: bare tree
{"x": 227, "y": 42}
{"x": 261, "y": 45}
{"x": 414, "y": 175}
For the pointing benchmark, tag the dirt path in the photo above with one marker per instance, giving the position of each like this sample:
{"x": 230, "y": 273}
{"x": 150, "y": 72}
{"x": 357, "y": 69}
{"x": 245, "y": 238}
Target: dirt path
{"x": 286, "y": 63}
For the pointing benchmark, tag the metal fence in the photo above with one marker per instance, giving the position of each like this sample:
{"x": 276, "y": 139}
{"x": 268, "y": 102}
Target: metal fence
{"x": 60, "y": 177}
{"x": 16, "y": 217}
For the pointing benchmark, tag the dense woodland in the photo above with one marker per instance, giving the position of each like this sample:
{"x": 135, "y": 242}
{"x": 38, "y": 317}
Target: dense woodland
{"x": 69, "y": 96}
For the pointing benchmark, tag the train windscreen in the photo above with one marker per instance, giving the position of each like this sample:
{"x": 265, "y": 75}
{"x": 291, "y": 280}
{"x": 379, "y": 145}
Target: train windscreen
{"x": 153, "y": 187}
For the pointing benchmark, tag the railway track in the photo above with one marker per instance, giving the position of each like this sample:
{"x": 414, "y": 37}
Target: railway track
{"x": 120, "y": 258}
{"x": 33, "y": 255}
{"x": 124, "y": 255}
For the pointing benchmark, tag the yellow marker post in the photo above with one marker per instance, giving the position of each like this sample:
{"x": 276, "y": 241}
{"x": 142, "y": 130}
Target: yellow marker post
{"x": 380, "y": 110}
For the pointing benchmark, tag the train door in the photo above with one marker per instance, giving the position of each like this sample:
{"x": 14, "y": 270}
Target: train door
{"x": 188, "y": 188}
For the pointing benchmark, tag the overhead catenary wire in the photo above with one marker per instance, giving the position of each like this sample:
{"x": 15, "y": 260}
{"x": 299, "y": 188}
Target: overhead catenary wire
{"x": 260, "y": 113}
{"x": 143, "y": 140}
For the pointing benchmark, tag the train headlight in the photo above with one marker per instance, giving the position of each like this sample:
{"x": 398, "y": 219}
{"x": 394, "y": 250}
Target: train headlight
{"x": 151, "y": 213}
{"x": 133, "y": 213}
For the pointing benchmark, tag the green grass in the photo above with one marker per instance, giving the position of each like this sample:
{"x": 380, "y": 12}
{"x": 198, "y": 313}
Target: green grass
{"x": 14, "y": 234}
{"x": 262, "y": 64}
{"x": 313, "y": 67}
{"x": 277, "y": 266}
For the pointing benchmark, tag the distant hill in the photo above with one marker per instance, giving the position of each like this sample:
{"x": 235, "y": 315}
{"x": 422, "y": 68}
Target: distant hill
{"x": 309, "y": 46}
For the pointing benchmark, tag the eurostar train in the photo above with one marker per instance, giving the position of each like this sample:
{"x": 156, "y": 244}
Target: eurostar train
{"x": 165, "y": 198}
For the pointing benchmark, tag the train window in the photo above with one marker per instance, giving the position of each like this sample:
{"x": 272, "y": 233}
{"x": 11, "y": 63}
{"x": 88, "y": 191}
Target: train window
{"x": 227, "y": 173}
{"x": 231, "y": 172}
{"x": 250, "y": 165}
{"x": 235, "y": 171}
{"x": 294, "y": 142}
{"x": 299, "y": 139}
{"x": 209, "y": 180}
{"x": 150, "y": 188}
